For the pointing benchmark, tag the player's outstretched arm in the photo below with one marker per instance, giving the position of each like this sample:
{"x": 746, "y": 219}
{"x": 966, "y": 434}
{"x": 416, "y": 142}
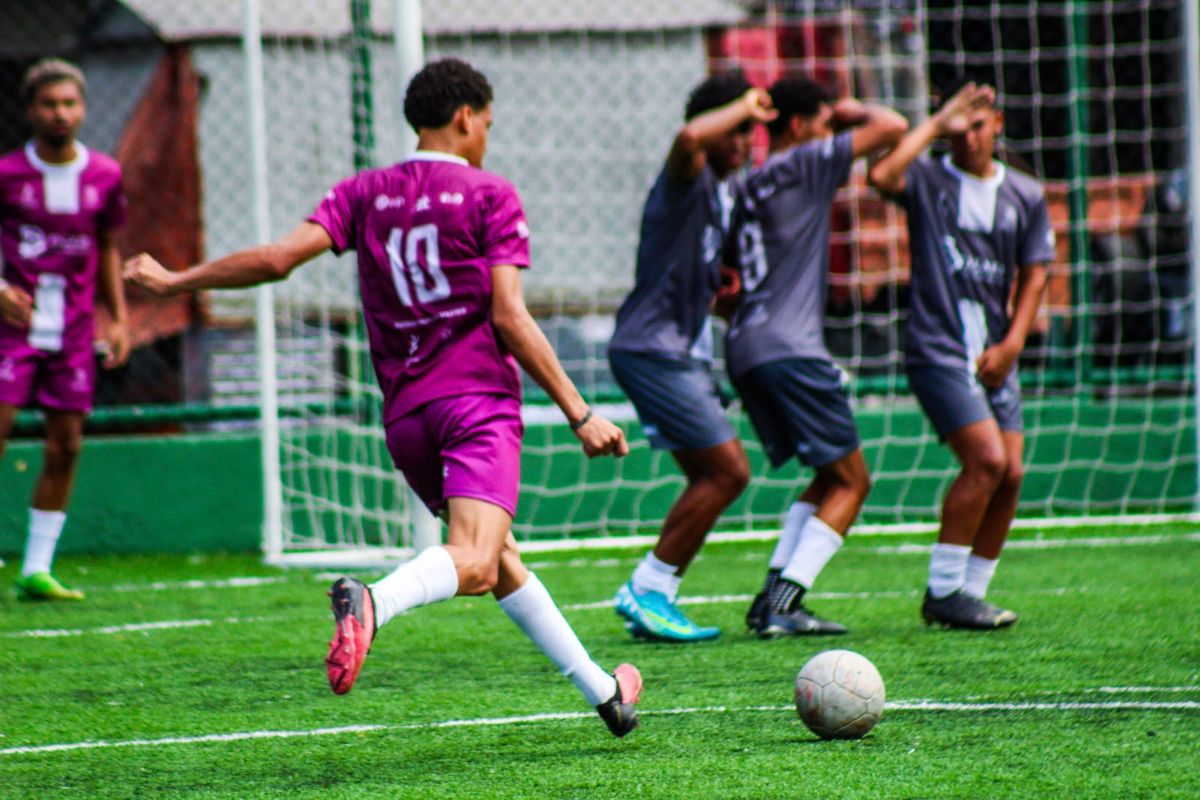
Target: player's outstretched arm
{"x": 112, "y": 291}
{"x": 533, "y": 352}
{"x": 887, "y": 174}
{"x": 249, "y": 267}
{"x": 686, "y": 159}
{"x": 997, "y": 361}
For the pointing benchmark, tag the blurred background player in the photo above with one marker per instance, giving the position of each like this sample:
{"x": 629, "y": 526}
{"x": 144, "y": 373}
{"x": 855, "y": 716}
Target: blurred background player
{"x": 775, "y": 349}
{"x": 661, "y": 353}
{"x": 974, "y": 226}
{"x": 59, "y": 206}
{"x": 440, "y": 247}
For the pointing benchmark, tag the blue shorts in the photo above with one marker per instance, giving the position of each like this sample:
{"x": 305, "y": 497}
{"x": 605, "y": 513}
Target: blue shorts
{"x": 953, "y": 399}
{"x": 799, "y": 407}
{"x": 676, "y": 399}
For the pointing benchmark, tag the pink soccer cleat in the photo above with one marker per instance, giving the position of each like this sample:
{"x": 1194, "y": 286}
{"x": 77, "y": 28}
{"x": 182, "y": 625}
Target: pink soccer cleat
{"x": 354, "y": 618}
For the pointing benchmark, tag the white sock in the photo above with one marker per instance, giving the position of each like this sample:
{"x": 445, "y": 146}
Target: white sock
{"x": 947, "y": 568}
{"x": 818, "y": 543}
{"x": 44, "y": 530}
{"x": 532, "y": 608}
{"x": 426, "y": 579}
{"x": 793, "y": 523}
{"x": 656, "y": 575}
{"x": 979, "y": 575}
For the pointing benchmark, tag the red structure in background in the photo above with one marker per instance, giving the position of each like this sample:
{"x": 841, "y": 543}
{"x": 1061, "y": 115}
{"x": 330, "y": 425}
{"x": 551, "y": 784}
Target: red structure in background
{"x": 817, "y": 50}
{"x": 159, "y": 160}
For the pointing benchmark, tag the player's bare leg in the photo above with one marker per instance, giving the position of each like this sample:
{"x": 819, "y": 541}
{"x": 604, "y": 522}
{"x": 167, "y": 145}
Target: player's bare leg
{"x": 844, "y": 484}
{"x": 47, "y": 514}
{"x": 716, "y": 477}
{"x": 527, "y": 603}
{"x": 984, "y": 453}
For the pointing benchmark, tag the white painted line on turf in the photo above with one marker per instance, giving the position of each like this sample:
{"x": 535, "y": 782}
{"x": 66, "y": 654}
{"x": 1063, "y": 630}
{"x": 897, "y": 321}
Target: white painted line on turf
{"x": 139, "y": 627}
{"x": 1056, "y": 544}
{"x": 170, "y": 586}
{"x": 897, "y": 705}
{"x": 1143, "y": 689}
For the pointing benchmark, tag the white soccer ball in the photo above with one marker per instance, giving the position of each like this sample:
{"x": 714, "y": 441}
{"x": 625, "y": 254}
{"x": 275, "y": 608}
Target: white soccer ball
{"x": 839, "y": 695}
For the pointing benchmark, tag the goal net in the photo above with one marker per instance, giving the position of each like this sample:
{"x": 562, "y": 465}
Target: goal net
{"x": 588, "y": 97}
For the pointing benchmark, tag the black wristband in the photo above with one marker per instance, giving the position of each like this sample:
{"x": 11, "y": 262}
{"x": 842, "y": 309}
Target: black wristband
{"x": 575, "y": 426}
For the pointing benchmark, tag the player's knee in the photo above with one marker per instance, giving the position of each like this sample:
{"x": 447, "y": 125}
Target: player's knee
{"x": 735, "y": 478}
{"x": 63, "y": 451}
{"x": 1014, "y": 476}
{"x": 478, "y": 575}
{"x": 988, "y": 466}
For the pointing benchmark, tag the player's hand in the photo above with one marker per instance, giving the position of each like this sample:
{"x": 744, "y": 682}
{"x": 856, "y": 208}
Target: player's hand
{"x": 16, "y": 306}
{"x": 116, "y": 351}
{"x": 996, "y": 362}
{"x": 953, "y": 118}
{"x": 848, "y": 113}
{"x": 152, "y": 276}
{"x": 759, "y": 106}
{"x": 601, "y": 438}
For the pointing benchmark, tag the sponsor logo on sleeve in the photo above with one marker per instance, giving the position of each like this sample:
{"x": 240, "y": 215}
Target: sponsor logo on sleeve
{"x": 522, "y": 229}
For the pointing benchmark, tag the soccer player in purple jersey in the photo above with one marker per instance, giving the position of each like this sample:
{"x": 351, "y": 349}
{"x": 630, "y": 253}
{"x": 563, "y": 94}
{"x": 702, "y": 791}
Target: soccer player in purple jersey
{"x": 975, "y": 226}
{"x": 440, "y": 247}
{"x": 59, "y": 206}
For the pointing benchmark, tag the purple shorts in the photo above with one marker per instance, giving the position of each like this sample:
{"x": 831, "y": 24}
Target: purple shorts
{"x": 468, "y": 446}
{"x": 64, "y": 380}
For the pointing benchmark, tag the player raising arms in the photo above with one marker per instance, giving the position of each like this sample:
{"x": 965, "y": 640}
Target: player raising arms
{"x": 440, "y": 247}
{"x": 974, "y": 225}
{"x": 59, "y": 205}
{"x": 775, "y": 348}
{"x": 661, "y": 352}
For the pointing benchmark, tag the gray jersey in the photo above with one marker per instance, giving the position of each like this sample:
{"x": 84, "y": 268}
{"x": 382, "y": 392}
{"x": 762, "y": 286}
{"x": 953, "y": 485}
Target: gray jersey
{"x": 967, "y": 238}
{"x": 683, "y": 225}
{"x": 781, "y": 244}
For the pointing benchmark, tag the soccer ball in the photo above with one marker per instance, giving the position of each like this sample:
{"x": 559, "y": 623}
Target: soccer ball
{"x": 839, "y": 695}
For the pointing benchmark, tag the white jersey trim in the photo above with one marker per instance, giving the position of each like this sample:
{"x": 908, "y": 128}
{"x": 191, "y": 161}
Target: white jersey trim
{"x": 60, "y": 182}
{"x": 976, "y": 197}
{"x": 437, "y": 155}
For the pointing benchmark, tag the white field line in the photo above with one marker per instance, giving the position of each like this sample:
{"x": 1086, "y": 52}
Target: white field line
{"x": 896, "y": 705}
{"x": 139, "y": 627}
{"x": 219, "y": 583}
{"x": 1038, "y": 524}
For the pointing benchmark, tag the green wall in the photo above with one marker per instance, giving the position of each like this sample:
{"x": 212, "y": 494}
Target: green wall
{"x": 196, "y": 492}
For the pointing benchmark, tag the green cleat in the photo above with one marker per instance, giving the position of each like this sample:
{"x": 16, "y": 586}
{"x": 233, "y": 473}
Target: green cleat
{"x": 44, "y": 586}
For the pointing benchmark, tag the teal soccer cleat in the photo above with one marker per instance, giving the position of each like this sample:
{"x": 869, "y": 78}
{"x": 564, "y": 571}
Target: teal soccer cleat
{"x": 652, "y": 616}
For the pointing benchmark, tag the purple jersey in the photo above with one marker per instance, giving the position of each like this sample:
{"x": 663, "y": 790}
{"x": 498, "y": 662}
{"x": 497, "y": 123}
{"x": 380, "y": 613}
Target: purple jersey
{"x": 428, "y": 232}
{"x": 50, "y": 217}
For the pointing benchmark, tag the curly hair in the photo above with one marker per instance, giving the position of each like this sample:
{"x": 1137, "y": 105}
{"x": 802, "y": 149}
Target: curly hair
{"x": 795, "y": 96}
{"x": 440, "y": 89}
{"x": 48, "y": 71}
{"x": 715, "y": 92}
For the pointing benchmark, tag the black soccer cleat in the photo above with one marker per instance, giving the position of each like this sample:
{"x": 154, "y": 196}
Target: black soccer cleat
{"x": 756, "y": 617}
{"x": 800, "y": 622}
{"x": 618, "y": 712}
{"x": 967, "y": 612}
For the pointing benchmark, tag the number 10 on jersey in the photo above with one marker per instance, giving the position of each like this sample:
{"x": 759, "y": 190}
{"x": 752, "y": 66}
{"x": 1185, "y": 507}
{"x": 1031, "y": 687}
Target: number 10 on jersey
{"x": 427, "y": 279}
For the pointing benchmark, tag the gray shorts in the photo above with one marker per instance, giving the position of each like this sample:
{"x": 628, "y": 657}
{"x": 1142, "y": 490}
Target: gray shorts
{"x": 676, "y": 399}
{"x": 799, "y": 407}
{"x": 953, "y": 399}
